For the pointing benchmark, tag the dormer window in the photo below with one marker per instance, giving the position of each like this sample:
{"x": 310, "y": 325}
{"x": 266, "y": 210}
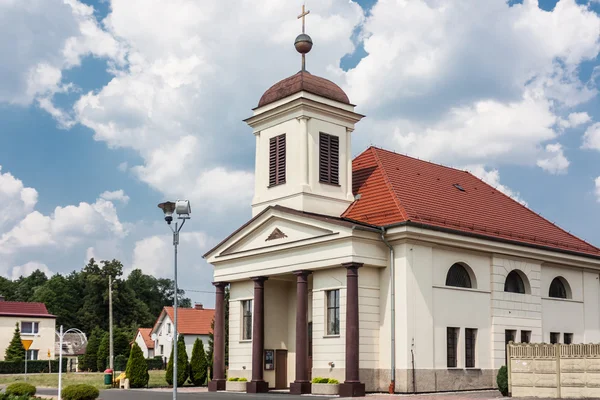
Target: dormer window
{"x": 277, "y": 160}
{"x": 329, "y": 159}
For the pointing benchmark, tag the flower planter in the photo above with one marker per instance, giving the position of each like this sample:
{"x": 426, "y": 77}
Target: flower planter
{"x": 329, "y": 389}
{"x": 235, "y": 386}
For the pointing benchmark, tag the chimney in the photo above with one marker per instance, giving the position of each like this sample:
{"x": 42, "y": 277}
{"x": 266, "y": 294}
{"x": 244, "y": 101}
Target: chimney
{"x": 1, "y": 298}
{"x": 199, "y": 306}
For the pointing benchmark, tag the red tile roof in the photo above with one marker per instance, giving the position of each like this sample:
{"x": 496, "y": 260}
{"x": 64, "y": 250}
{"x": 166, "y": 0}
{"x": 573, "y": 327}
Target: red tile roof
{"x": 303, "y": 81}
{"x": 145, "y": 332}
{"x": 191, "y": 321}
{"x": 19, "y": 308}
{"x": 394, "y": 188}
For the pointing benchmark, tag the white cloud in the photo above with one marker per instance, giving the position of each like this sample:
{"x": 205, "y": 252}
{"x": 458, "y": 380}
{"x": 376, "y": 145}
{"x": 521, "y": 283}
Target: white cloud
{"x": 578, "y": 118}
{"x": 16, "y": 199}
{"x": 591, "y": 137}
{"x": 597, "y": 191}
{"x": 118, "y": 195}
{"x": 555, "y": 161}
{"x": 27, "y": 269}
{"x": 492, "y": 178}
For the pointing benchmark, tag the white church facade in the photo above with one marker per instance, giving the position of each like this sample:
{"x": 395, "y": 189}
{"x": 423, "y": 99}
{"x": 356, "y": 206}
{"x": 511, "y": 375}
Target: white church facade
{"x": 385, "y": 272}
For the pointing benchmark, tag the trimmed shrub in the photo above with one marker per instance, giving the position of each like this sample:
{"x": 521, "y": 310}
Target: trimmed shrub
{"x": 37, "y": 366}
{"x": 15, "y": 350}
{"x": 242, "y": 380}
{"x": 120, "y": 362}
{"x": 137, "y": 368}
{"x": 333, "y": 381}
{"x": 502, "y": 380}
{"x": 198, "y": 364}
{"x": 155, "y": 363}
{"x": 182, "y": 364}
{"x": 232, "y": 379}
{"x": 320, "y": 380}
{"x": 80, "y": 392}
{"x": 21, "y": 389}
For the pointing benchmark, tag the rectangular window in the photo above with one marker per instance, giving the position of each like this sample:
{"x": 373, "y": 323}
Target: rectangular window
{"x": 333, "y": 312}
{"x": 329, "y": 159}
{"x": 568, "y": 338}
{"x": 525, "y": 336}
{"x": 29, "y": 328}
{"x": 168, "y": 328}
{"x": 246, "y": 319}
{"x": 452, "y": 347}
{"x": 554, "y": 337}
{"x": 470, "y": 343}
{"x": 162, "y": 349}
{"x": 32, "y": 355}
{"x": 509, "y": 336}
{"x": 277, "y": 160}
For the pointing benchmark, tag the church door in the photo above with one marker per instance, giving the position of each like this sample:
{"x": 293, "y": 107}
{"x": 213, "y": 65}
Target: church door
{"x": 281, "y": 381}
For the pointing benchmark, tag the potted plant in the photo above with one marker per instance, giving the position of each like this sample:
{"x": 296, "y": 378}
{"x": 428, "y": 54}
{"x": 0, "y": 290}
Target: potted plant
{"x": 236, "y": 384}
{"x": 325, "y": 386}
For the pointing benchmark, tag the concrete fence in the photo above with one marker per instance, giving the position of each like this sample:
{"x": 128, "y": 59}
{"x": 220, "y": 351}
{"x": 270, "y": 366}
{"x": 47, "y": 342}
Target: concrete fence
{"x": 554, "y": 370}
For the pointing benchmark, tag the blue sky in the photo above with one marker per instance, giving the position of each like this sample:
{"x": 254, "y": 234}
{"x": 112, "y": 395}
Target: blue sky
{"x": 145, "y": 103}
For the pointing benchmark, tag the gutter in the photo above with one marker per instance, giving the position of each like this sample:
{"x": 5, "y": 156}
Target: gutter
{"x": 392, "y": 386}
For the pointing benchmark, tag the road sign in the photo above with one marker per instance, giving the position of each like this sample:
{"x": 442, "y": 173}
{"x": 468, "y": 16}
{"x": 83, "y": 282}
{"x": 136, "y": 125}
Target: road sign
{"x": 26, "y": 343}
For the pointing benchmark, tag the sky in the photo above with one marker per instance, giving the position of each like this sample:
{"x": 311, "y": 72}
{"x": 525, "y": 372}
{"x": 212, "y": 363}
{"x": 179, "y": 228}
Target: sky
{"x": 108, "y": 108}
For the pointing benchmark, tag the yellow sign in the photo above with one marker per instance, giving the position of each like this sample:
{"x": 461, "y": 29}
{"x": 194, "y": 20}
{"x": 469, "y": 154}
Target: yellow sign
{"x": 48, "y": 353}
{"x": 26, "y": 343}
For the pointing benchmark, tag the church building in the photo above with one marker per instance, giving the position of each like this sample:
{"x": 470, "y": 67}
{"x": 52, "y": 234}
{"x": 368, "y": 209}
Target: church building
{"x": 385, "y": 272}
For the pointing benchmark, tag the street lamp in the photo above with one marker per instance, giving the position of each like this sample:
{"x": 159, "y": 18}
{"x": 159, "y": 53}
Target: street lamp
{"x": 61, "y": 336}
{"x": 183, "y": 210}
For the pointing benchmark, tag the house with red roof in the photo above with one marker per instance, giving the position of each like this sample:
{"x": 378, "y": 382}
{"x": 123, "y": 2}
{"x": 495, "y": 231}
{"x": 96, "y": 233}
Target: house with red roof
{"x": 383, "y": 271}
{"x": 35, "y": 323}
{"x": 192, "y": 323}
{"x": 144, "y": 340}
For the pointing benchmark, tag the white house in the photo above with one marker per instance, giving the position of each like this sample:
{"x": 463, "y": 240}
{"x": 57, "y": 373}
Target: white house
{"x": 192, "y": 323}
{"x": 384, "y": 272}
{"x": 144, "y": 340}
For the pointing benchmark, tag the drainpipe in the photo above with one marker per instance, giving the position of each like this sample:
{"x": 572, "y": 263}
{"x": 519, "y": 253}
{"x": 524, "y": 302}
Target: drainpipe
{"x": 392, "y": 387}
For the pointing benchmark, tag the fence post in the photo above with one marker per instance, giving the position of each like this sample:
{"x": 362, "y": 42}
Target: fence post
{"x": 557, "y": 355}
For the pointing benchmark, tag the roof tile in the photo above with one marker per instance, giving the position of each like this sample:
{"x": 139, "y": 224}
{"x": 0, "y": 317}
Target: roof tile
{"x": 191, "y": 321}
{"x": 19, "y": 308}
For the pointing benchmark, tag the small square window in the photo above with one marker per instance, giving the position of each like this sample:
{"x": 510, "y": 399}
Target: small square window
{"x": 525, "y": 336}
{"x": 29, "y": 328}
{"x": 554, "y": 337}
{"x": 32, "y": 355}
{"x": 568, "y": 338}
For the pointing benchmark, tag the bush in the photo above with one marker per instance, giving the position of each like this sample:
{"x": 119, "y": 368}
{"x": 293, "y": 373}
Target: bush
{"x": 182, "y": 364}
{"x": 37, "y": 366}
{"x": 242, "y": 380}
{"x": 198, "y": 364}
{"x": 20, "y": 389}
{"x": 80, "y": 392}
{"x": 15, "y": 350}
{"x": 320, "y": 380}
{"x": 120, "y": 362}
{"x": 333, "y": 381}
{"x": 137, "y": 368}
{"x": 502, "y": 380}
{"x": 232, "y": 379}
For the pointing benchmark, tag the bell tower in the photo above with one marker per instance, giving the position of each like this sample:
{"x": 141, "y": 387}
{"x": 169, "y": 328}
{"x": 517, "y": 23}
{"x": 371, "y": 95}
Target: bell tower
{"x": 303, "y": 126}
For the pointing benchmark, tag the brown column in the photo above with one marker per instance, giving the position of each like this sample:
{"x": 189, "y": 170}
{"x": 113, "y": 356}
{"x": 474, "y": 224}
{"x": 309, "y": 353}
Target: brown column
{"x": 301, "y": 385}
{"x": 258, "y": 385}
{"x": 352, "y": 386}
{"x": 218, "y": 381}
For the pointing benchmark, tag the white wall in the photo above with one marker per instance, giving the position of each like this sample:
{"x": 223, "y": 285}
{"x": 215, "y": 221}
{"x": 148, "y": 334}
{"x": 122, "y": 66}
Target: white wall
{"x": 43, "y": 341}
{"x": 140, "y": 342}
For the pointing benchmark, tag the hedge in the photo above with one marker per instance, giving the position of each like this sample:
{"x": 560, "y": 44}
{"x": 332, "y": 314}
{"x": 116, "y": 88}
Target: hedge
{"x": 120, "y": 362}
{"x": 21, "y": 389}
{"x": 37, "y": 366}
{"x": 155, "y": 363}
{"x": 330, "y": 381}
{"x": 80, "y": 392}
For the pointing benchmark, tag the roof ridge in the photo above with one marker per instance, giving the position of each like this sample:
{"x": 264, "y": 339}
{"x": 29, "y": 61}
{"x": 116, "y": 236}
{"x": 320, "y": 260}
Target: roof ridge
{"x": 386, "y": 179}
{"x": 534, "y": 213}
{"x": 419, "y": 159}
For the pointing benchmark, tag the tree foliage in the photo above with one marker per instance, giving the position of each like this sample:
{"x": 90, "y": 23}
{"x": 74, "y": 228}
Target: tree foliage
{"x": 102, "y": 355}
{"x": 137, "y": 368}
{"x": 198, "y": 364}
{"x": 15, "y": 350}
{"x": 182, "y": 364}
{"x": 91, "y": 351}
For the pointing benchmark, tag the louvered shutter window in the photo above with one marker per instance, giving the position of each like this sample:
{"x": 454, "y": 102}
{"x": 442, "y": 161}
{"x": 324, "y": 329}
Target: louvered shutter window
{"x": 329, "y": 159}
{"x": 277, "y": 160}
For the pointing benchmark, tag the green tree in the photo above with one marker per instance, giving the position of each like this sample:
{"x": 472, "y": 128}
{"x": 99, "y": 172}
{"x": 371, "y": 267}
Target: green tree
{"x": 137, "y": 368}
{"x": 182, "y": 364}
{"x": 15, "y": 350}
{"x": 121, "y": 346}
{"x": 102, "y": 355}
{"x": 91, "y": 351}
{"x": 198, "y": 364}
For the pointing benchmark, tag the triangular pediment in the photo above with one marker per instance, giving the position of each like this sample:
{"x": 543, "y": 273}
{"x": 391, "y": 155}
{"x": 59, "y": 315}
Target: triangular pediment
{"x": 274, "y": 231}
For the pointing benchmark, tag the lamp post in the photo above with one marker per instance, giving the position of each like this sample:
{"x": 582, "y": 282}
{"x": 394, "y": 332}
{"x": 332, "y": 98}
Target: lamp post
{"x": 183, "y": 210}
{"x": 61, "y": 336}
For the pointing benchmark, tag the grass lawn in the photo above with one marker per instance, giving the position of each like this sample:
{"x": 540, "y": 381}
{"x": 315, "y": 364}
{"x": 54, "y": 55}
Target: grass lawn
{"x": 157, "y": 379}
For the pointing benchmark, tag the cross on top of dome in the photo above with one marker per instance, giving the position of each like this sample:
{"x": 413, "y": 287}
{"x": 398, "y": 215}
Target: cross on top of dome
{"x": 303, "y": 42}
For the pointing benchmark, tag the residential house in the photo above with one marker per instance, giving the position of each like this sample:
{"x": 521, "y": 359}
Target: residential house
{"x": 144, "y": 340}
{"x": 73, "y": 346}
{"x": 192, "y": 323}
{"x": 35, "y": 323}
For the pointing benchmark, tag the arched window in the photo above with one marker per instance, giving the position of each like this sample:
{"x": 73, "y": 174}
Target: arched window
{"x": 514, "y": 283}
{"x": 559, "y": 288}
{"x": 458, "y": 276}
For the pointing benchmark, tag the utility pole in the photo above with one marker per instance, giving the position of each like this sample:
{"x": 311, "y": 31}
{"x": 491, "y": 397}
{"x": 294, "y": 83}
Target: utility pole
{"x": 110, "y": 325}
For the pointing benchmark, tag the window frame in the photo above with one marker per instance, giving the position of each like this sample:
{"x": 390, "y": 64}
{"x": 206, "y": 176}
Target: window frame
{"x": 559, "y": 284}
{"x": 517, "y": 280}
{"x": 277, "y": 160}
{"x": 554, "y": 337}
{"x": 35, "y": 331}
{"x": 29, "y": 354}
{"x": 567, "y": 335}
{"x": 470, "y": 347}
{"x": 525, "y": 335}
{"x": 459, "y": 272}
{"x": 332, "y": 310}
{"x": 452, "y": 337}
{"x": 329, "y": 159}
{"x": 247, "y": 318}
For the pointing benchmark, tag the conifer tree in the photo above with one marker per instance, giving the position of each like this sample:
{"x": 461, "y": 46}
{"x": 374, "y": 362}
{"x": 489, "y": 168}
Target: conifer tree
{"x": 198, "y": 364}
{"x": 137, "y": 368}
{"x": 103, "y": 351}
{"x": 182, "y": 364}
{"x": 15, "y": 350}
{"x": 91, "y": 351}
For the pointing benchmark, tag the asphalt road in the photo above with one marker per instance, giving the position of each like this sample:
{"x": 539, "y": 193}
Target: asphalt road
{"x": 153, "y": 395}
